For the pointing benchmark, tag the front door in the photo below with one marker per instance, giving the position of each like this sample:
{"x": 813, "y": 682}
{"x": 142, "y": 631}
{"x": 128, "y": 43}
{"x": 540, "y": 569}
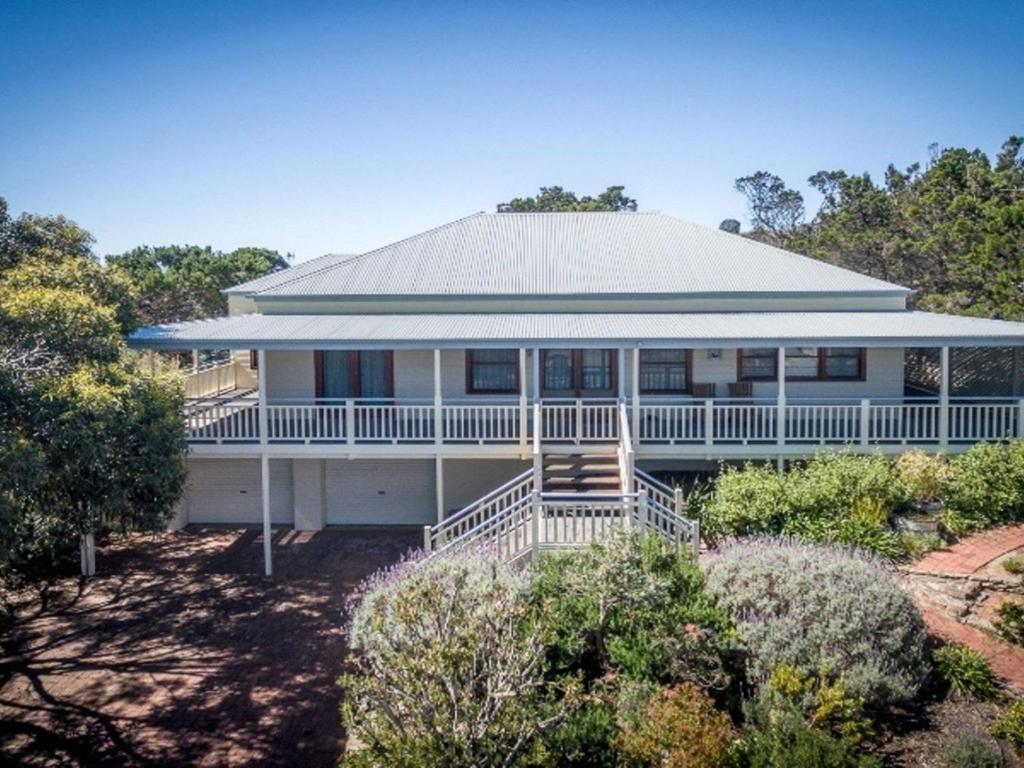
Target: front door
{"x": 343, "y": 374}
{"x": 578, "y": 373}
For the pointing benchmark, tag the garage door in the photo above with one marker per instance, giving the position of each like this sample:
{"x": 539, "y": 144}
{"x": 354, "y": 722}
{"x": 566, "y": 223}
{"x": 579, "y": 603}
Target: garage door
{"x": 228, "y": 491}
{"x": 394, "y": 492}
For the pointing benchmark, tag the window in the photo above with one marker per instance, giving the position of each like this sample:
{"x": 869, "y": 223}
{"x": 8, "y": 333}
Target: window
{"x": 804, "y": 364}
{"x": 558, "y": 371}
{"x": 254, "y": 359}
{"x": 758, "y": 364}
{"x": 492, "y": 371}
{"x": 578, "y": 373}
{"x": 350, "y": 373}
{"x": 844, "y": 363}
{"x": 801, "y": 363}
{"x": 664, "y": 371}
{"x": 596, "y": 368}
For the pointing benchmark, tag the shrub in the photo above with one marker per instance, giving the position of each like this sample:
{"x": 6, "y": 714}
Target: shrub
{"x": 973, "y": 750}
{"x": 834, "y": 497}
{"x": 586, "y": 739}
{"x": 632, "y": 606}
{"x": 833, "y": 484}
{"x": 449, "y": 669}
{"x": 922, "y": 474}
{"x": 746, "y": 500}
{"x": 1013, "y": 565}
{"x": 680, "y": 728}
{"x": 822, "y": 610}
{"x": 1009, "y": 726}
{"x": 776, "y": 735}
{"x": 966, "y": 672}
{"x": 826, "y": 704}
{"x": 985, "y": 486}
{"x": 1010, "y": 623}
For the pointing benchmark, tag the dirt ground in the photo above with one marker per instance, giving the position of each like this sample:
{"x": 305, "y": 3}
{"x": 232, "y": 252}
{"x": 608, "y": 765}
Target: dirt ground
{"x": 180, "y": 653}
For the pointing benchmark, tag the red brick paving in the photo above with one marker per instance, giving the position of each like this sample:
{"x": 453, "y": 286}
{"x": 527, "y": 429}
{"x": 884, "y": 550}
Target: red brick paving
{"x": 180, "y": 653}
{"x": 970, "y": 554}
{"x": 1007, "y": 660}
{"x": 966, "y": 558}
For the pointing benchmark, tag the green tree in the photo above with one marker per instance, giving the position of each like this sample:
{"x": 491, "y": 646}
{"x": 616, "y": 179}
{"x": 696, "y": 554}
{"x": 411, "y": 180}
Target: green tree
{"x": 88, "y": 440}
{"x": 952, "y": 230}
{"x": 558, "y": 199}
{"x": 776, "y": 212}
{"x": 185, "y": 282}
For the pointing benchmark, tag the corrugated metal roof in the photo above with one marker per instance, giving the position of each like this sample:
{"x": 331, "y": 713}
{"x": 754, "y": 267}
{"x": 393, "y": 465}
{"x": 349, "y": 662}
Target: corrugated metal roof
{"x": 543, "y": 254}
{"x": 680, "y": 329}
{"x": 290, "y": 273}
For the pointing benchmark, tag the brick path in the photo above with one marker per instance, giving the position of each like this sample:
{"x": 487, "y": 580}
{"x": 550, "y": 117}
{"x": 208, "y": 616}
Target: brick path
{"x": 966, "y": 561}
{"x": 1007, "y": 660}
{"x": 971, "y": 554}
{"x": 180, "y": 653}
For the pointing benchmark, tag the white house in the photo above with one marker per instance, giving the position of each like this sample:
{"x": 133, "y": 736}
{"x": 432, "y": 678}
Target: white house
{"x": 442, "y": 379}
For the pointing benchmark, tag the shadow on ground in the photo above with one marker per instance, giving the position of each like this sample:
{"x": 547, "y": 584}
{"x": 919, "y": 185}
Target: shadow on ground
{"x": 180, "y": 652}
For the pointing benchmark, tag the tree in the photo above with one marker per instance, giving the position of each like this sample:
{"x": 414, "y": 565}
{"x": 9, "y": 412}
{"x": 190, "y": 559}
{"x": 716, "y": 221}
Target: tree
{"x": 178, "y": 282}
{"x": 952, "y": 230}
{"x": 732, "y": 226}
{"x": 88, "y": 440}
{"x": 34, "y": 235}
{"x": 558, "y": 199}
{"x": 776, "y": 212}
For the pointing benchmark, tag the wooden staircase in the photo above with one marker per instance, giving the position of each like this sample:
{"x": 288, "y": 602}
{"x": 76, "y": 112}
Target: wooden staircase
{"x": 566, "y": 472}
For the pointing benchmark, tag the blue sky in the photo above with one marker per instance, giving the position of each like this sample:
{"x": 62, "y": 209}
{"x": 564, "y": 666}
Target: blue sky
{"x": 316, "y": 127}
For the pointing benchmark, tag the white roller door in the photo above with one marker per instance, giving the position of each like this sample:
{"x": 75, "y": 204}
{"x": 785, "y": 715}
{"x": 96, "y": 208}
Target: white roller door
{"x": 392, "y": 492}
{"x": 228, "y": 491}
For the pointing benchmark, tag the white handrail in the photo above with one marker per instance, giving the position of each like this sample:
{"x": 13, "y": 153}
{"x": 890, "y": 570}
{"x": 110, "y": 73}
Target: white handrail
{"x": 511, "y": 488}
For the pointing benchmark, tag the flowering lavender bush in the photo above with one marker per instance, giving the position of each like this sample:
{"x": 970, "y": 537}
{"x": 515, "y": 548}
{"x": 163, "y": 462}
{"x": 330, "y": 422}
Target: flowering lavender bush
{"x": 448, "y": 667}
{"x": 821, "y": 610}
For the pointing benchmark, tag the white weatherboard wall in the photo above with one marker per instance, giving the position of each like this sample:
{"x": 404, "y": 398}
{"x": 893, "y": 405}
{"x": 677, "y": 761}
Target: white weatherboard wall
{"x": 228, "y": 491}
{"x": 291, "y": 374}
{"x": 466, "y": 480}
{"x": 376, "y": 492}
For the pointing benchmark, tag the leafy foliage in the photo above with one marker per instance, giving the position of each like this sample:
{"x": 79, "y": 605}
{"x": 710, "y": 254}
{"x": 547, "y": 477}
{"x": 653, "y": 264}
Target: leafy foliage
{"x": 1009, "y": 622}
{"x": 954, "y": 230}
{"x": 185, "y": 282}
{"x": 1013, "y": 565}
{"x": 88, "y": 441}
{"x": 985, "y": 487}
{"x": 449, "y": 668}
{"x": 630, "y": 606}
{"x": 1009, "y": 726}
{"x": 821, "y": 610}
{"x": 559, "y": 199}
{"x": 679, "y": 728}
{"x": 746, "y": 500}
{"x": 834, "y": 497}
{"x": 973, "y": 750}
{"x": 777, "y": 735}
{"x": 922, "y": 474}
{"x": 966, "y": 672}
{"x": 824, "y": 701}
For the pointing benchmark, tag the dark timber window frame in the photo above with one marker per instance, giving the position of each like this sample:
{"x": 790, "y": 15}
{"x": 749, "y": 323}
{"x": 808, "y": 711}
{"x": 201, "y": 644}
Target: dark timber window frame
{"x": 576, "y": 390}
{"x": 355, "y": 385}
{"x": 687, "y": 360}
{"x": 472, "y": 363}
{"x": 821, "y": 368}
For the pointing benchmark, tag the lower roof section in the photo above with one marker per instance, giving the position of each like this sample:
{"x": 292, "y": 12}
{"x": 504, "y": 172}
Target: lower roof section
{"x": 711, "y": 329}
